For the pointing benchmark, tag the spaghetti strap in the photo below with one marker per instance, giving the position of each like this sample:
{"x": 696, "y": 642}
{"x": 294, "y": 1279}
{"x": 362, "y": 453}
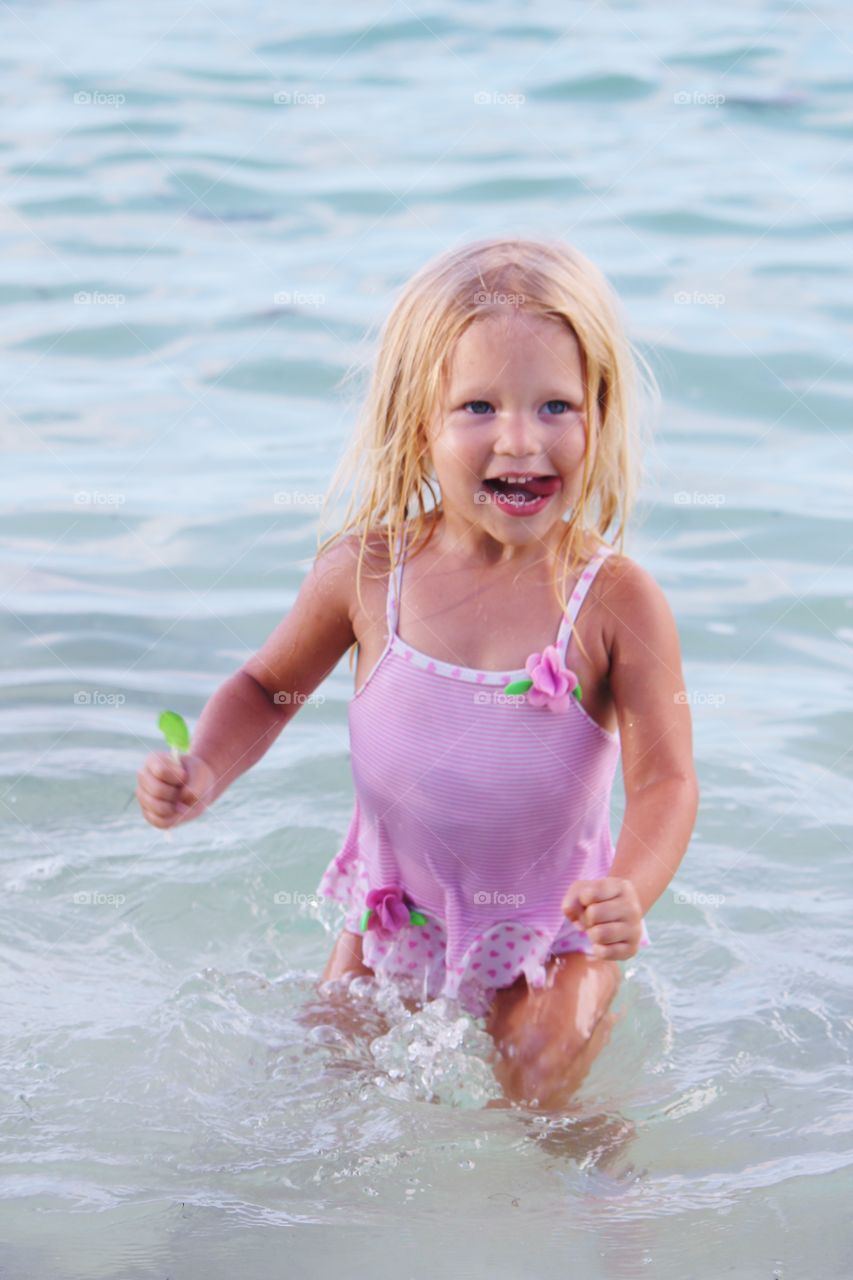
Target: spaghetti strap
{"x": 395, "y": 579}
{"x": 578, "y": 596}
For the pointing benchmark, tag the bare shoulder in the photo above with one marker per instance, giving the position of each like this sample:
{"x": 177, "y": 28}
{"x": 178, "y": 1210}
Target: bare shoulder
{"x": 334, "y": 569}
{"x": 334, "y": 566}
{"x": 646, "y": 678}
{"x": 353, "y": 573}
{"x": 325, "y": 619}
{"x": 633, "y": 605}
{"x": 315, "y": 632}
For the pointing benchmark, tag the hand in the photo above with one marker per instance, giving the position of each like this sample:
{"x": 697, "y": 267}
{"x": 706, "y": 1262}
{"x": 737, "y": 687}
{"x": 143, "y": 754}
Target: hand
{"x": 173, "y": 791}
{"x": 610, "y": 914}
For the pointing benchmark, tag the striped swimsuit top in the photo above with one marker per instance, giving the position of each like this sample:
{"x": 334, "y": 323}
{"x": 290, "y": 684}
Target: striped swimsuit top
{"x": 475, "y": 810}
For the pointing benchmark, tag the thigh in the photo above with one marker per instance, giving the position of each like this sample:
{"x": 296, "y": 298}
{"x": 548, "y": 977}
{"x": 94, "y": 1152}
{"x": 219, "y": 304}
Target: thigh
{"x": 347, "y": 961}
{"x": 562, "y": 1015}
{"x": 335, "y": 1010}
{"x": 346, "y": 958}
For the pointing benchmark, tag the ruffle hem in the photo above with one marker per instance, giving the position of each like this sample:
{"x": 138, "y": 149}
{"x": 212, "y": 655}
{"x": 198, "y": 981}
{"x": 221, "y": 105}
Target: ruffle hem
{"x": 415, "y": 957}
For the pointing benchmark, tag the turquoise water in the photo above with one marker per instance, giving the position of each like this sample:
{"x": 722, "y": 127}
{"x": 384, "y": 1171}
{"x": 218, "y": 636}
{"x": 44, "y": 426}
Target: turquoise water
{"x": 206, "y": 209}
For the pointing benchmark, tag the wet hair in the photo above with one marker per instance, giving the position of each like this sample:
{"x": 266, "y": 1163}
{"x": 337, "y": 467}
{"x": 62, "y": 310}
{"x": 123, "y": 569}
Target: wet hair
{"x": 388, "y": 459}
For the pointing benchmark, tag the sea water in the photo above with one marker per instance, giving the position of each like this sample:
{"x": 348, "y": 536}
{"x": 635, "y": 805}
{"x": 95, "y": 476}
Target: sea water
{"x": 206, "y": 210}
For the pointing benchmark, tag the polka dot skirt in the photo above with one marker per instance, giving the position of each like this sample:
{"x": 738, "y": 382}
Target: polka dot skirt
{"x": 416, "y": 956}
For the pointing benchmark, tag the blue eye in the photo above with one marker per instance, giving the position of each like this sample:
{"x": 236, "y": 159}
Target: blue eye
{"x": 568, "y": 407}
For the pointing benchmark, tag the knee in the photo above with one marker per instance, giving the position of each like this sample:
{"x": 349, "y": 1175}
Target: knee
{"x": 533, "y": 1065}
{"x": 545, "y": 1048}
{"x": 543, "y": 1065}
{"x": 533, "y": 1050}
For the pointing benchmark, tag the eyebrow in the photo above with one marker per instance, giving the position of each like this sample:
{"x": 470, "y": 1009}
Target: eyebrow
{"x": 477, "y": 393}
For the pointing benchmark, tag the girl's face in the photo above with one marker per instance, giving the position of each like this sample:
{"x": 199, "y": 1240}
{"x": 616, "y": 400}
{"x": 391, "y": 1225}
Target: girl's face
{"x": 513, "y": 406}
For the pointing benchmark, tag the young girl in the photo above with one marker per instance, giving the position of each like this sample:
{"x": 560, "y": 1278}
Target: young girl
{"x": 507, "y": 657}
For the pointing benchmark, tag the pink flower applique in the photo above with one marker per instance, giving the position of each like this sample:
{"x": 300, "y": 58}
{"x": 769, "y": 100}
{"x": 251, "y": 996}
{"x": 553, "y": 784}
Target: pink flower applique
{"x": 551, "y": 684}
{"x": 387, "y": 912}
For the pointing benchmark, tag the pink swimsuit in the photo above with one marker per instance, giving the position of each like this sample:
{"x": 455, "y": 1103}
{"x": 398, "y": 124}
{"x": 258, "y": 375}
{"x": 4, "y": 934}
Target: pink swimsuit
{"x": 476, "y": 810}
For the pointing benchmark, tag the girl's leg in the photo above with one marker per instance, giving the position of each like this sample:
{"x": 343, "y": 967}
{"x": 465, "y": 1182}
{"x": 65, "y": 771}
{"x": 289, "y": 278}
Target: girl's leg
{"x": 547, "y": 1039}
{"x": 335, "y": 1008}
{"x": 345, "y": 958}
{"x": 346, "y": 962}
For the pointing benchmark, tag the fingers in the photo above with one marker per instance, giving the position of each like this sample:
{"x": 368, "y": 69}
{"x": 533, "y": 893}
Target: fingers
{"x": 603, "y": 913}
{"x": 162, "y": 768}
{"x": 618, "y": 941}
{"x": 572, "y": 904}
{"x": 616, "y": 951}
{"x": 602, "y": 935}
{"x": 159, "y": 784}
{"x": 583, "y": 893}
{"x": 611, "y": 919}
{"x": 161, "y": 813}
{"x": 603, "y": 890}
{"x": 609, "y": 900}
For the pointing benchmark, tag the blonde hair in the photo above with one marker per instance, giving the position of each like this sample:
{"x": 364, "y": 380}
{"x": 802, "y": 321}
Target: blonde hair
{"x": 388, "y": 457}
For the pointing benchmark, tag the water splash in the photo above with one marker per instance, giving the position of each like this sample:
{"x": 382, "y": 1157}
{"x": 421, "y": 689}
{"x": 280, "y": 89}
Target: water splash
{"x": 431, "y": 1051}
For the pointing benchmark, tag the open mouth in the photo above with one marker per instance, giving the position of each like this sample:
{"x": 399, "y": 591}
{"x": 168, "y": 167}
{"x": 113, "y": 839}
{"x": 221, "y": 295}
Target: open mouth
{"x": 521, "y": 490}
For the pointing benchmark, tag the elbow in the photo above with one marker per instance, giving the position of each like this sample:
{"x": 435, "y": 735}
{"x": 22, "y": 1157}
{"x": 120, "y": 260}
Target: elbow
{"x": 689, "y": 797}
{"x": 686, "y": 778}
{"x": 689, "y": 781}
{"x": 244, "y": 675}
{"x": 687, "y": 785}
{"x": 670, "y": 778}
{"x": 681, "y": 788}
{"x": 255, "y": 690}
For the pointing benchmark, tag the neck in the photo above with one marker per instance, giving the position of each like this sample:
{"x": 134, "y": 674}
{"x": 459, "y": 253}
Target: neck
{"x": 470, "y": 543}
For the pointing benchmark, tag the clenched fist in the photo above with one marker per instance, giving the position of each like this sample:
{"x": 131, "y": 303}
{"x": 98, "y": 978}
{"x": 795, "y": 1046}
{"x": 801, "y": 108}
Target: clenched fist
{"x": 173, "y": 791}
{"x": 609, "y": 912}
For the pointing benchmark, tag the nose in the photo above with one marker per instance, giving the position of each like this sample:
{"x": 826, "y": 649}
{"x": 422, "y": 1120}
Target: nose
{"x": 517, "y": 435}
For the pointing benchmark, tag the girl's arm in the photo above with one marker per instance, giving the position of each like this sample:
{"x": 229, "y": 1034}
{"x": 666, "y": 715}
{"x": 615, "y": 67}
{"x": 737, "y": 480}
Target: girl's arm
{"x": 655, "y": 731}
{"x": 249, "y": 710}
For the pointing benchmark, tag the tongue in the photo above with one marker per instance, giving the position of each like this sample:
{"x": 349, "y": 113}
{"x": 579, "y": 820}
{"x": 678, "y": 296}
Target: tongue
{"x": 543, "y": 486}
{"x": 538, "y": 488}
